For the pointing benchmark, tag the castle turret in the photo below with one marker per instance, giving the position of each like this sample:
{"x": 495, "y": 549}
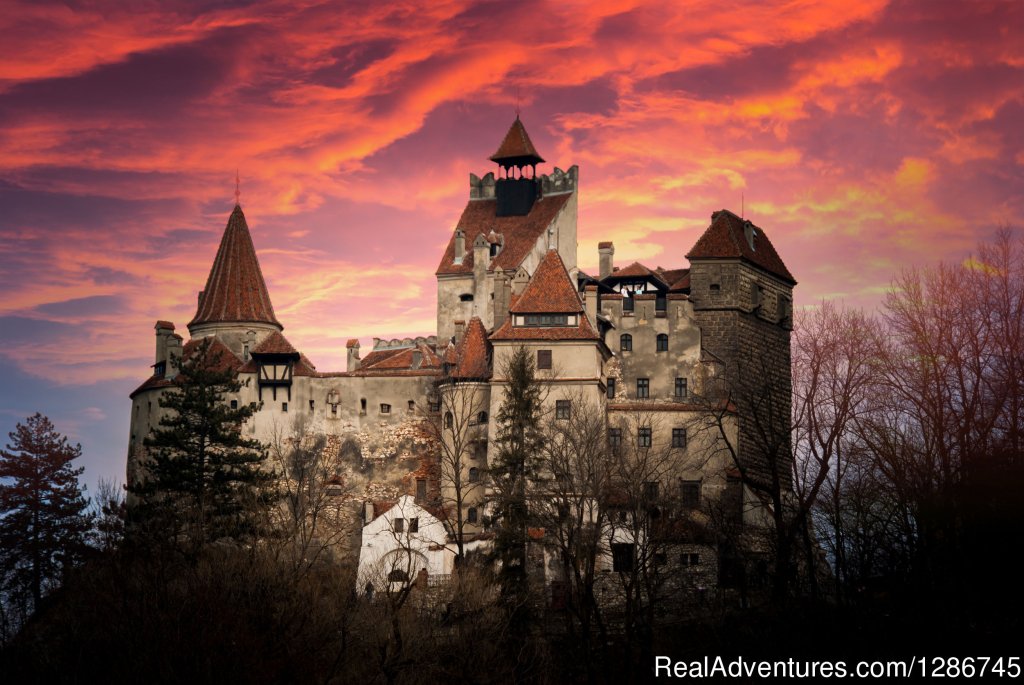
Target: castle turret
{"x": 515, "y": 192}
{"x": 235, "y": 299}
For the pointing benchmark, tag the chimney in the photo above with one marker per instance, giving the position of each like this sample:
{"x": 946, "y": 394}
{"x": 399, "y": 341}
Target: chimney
{"x": 605, "y": 253}
{"x": 502, "y": 295}
{"x": 173, "y": 355}
{"x": 460, "y": 327}
{"x": 163, "y": 330}
{"x": 249, "y": 346}
{"x": 460, "y": 245}
{"x": 590, "y": 304}
{"x": 353, "y": 355}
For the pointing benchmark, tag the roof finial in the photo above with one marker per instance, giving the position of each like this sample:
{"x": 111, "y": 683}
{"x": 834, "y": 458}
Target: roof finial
{"x": 517, "y": 102}
{"x": 238, "y": 192}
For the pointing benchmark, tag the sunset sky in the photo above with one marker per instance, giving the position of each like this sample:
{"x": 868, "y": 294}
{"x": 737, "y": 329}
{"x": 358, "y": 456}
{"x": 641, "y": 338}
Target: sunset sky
{"x": 864, "y": 137}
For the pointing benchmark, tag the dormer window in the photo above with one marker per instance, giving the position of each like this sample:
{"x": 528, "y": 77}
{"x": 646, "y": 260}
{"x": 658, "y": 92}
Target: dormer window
{"x": 547, "y": 320}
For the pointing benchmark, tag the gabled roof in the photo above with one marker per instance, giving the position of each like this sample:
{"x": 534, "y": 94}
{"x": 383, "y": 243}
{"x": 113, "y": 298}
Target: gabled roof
{"x": 473, "y": 352}
{"x": 517, "y": 149}
{"x": 275, "y": 343}
{"x": 550, "y": 290}
{"x": 520, "y": 233}
{"x": 581, "y": 331}
{"x": 235, "y": 290}
{"x": 636, "y": 271}
{"x": 726, "y": 238}
{"x": 400, "y": 359}
{"x": 221, "y": 355}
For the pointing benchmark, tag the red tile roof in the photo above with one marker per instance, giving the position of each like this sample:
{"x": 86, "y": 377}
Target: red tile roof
{"x": 550, "y": 290}
{"x": 520, "y": 232}
{"x": 164, "y": 324}
{"x": 582, "y": 331}
{"x": 473, "y": 353}
{"x": 725, "y": 239}
{"x": 275, "y": 343}
{"x": 235, "y": 290}
{"x": 517, "y": 148}
{"x": 400, "y": 359}
{"x": 221, "y": 356}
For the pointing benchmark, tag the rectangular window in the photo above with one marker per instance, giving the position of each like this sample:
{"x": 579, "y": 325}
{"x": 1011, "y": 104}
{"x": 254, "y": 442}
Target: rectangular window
{"x": 234, "y": 404}
{"x": 627, "y": 304}
{"x": 385, "y": 409}
{"x": 690, "y": 493}
{"x": 399, "y": 525}
{"x": 679, "y": 437}
{"x": 471, "y": 515}
{"x": 414, "y": 525}
{"x": 421, "y": 489}
{"x": 435, "y": 406}
{"x": 284, "y": 406}
{"x": 643, "y": 388}
{"x": 689, "y": 559}
{"x": 611, "y": 388}
{"x": 412, "y": 405}
{"x": 651, "y": 490}
{"x": 547, "y": 319}
{"x": 312, "y": 405}
{"x": 622, "y": 557}
{"x": 543, "y": 359}
{"x": 681, "y": 387}
{"x": 334, "y": 409}
{"x": 615, "y": 437}
{"x": 662, "y": 343}
{"x": 562, "y": 409}
{"x": 643, "y": 437}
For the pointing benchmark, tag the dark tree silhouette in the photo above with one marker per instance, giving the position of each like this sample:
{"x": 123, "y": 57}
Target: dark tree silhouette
{"x": 43, "y": 518}
{"x": 203, "y": 480}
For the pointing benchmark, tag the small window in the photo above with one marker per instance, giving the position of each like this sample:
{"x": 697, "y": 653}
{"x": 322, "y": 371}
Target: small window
{"x": 474, "y": 475}
{"x": 543, "y": 359}
{"x": 449, "y": 419}
{"x": 679, "y": 437}
{"x": 615, "y": 437}
{"x": 611, "y": 388}
{"x": 471, "y": 515}
{"x": 481, "y": 418}
{"x": 421, "y": 489}
{"x": 399, "y": 525}
{"x": 234, "y": 404}
{"x": 626, "y": 342}
{"x": 414, "y": 525}
{"x": 627, "y": 303}
{"x": 662, "y": 342}
{"x": 660, "y": 558}
{"x": 479, "y": 450}
{"x": 643, "y": 388}
{"x": 362, "y": 405}
{"x": 284, "y": 406}
{"x": 690, "y": 493}
{"x": 689, "y": 559}
{"x": 643, "y": 437}
{"x": 334, "y": 409}
{"x": 681, "y": 390}
{"x": 465, "y": 297}
{"x": 412, "y": 405}
{"x": 385, "y": 408}
{"x": 562, "y": 409}
{"x": 434, "y": 406}
{"x": 622, "y": 557}
{"x": 312, "y": 405}
{"x": 546, "y": 320}
{"x": 716, "y": 288}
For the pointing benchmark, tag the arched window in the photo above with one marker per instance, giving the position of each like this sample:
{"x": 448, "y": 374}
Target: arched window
{"x": 626, "y": 342}
{"x": 481, "y": 417}
{"x": 662, "y": 342}
{"x": 449, "y": 420}
{"x": 471, "y": 515}
{"x": 474, "y": 475}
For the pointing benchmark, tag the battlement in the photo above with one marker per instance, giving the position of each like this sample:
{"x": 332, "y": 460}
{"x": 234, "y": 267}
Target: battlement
{"x": 555, "y": 183}
{"x": 403, "y": 343}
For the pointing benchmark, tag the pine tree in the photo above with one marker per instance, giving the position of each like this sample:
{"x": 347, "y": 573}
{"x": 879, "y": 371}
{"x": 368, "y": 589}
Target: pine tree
{"x": 518, "y": 445}
{"x": 204, "y": 480}
{"x": 43, "y": 519}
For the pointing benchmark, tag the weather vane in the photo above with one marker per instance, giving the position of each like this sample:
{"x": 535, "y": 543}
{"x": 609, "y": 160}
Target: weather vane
{"x": 238, "y": 192}
{"x": 517, "y": 102}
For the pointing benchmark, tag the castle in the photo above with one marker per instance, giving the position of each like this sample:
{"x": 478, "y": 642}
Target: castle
{"x": 642, "y": 345}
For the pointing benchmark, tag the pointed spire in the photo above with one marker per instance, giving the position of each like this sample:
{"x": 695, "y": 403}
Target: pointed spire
{"x": 235, "y": 291}
{"x": 517, "y": 150}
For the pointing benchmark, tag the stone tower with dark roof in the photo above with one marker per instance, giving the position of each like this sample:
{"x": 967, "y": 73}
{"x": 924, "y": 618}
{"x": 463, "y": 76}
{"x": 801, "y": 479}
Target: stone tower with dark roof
{"x": 742, "y": 295}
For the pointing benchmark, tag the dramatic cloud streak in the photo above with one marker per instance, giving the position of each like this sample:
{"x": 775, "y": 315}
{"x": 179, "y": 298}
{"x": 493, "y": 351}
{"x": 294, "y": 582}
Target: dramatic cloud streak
{"x": 862, "y": 136}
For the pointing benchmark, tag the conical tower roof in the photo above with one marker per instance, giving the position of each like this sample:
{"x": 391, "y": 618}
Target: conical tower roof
{"x": 235, "y": 291}
{"x": 517, "y": 149}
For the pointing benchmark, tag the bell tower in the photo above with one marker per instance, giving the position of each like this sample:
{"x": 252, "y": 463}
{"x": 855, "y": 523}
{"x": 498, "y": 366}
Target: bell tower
{"x": 515, "y": 191}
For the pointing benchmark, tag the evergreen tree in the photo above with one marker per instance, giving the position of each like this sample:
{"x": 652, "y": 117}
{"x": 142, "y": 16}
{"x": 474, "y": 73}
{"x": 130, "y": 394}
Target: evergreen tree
{"x": 43, "y": 519}
{"x": 518, "y": 445}
{"x": 204, "y": 480}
